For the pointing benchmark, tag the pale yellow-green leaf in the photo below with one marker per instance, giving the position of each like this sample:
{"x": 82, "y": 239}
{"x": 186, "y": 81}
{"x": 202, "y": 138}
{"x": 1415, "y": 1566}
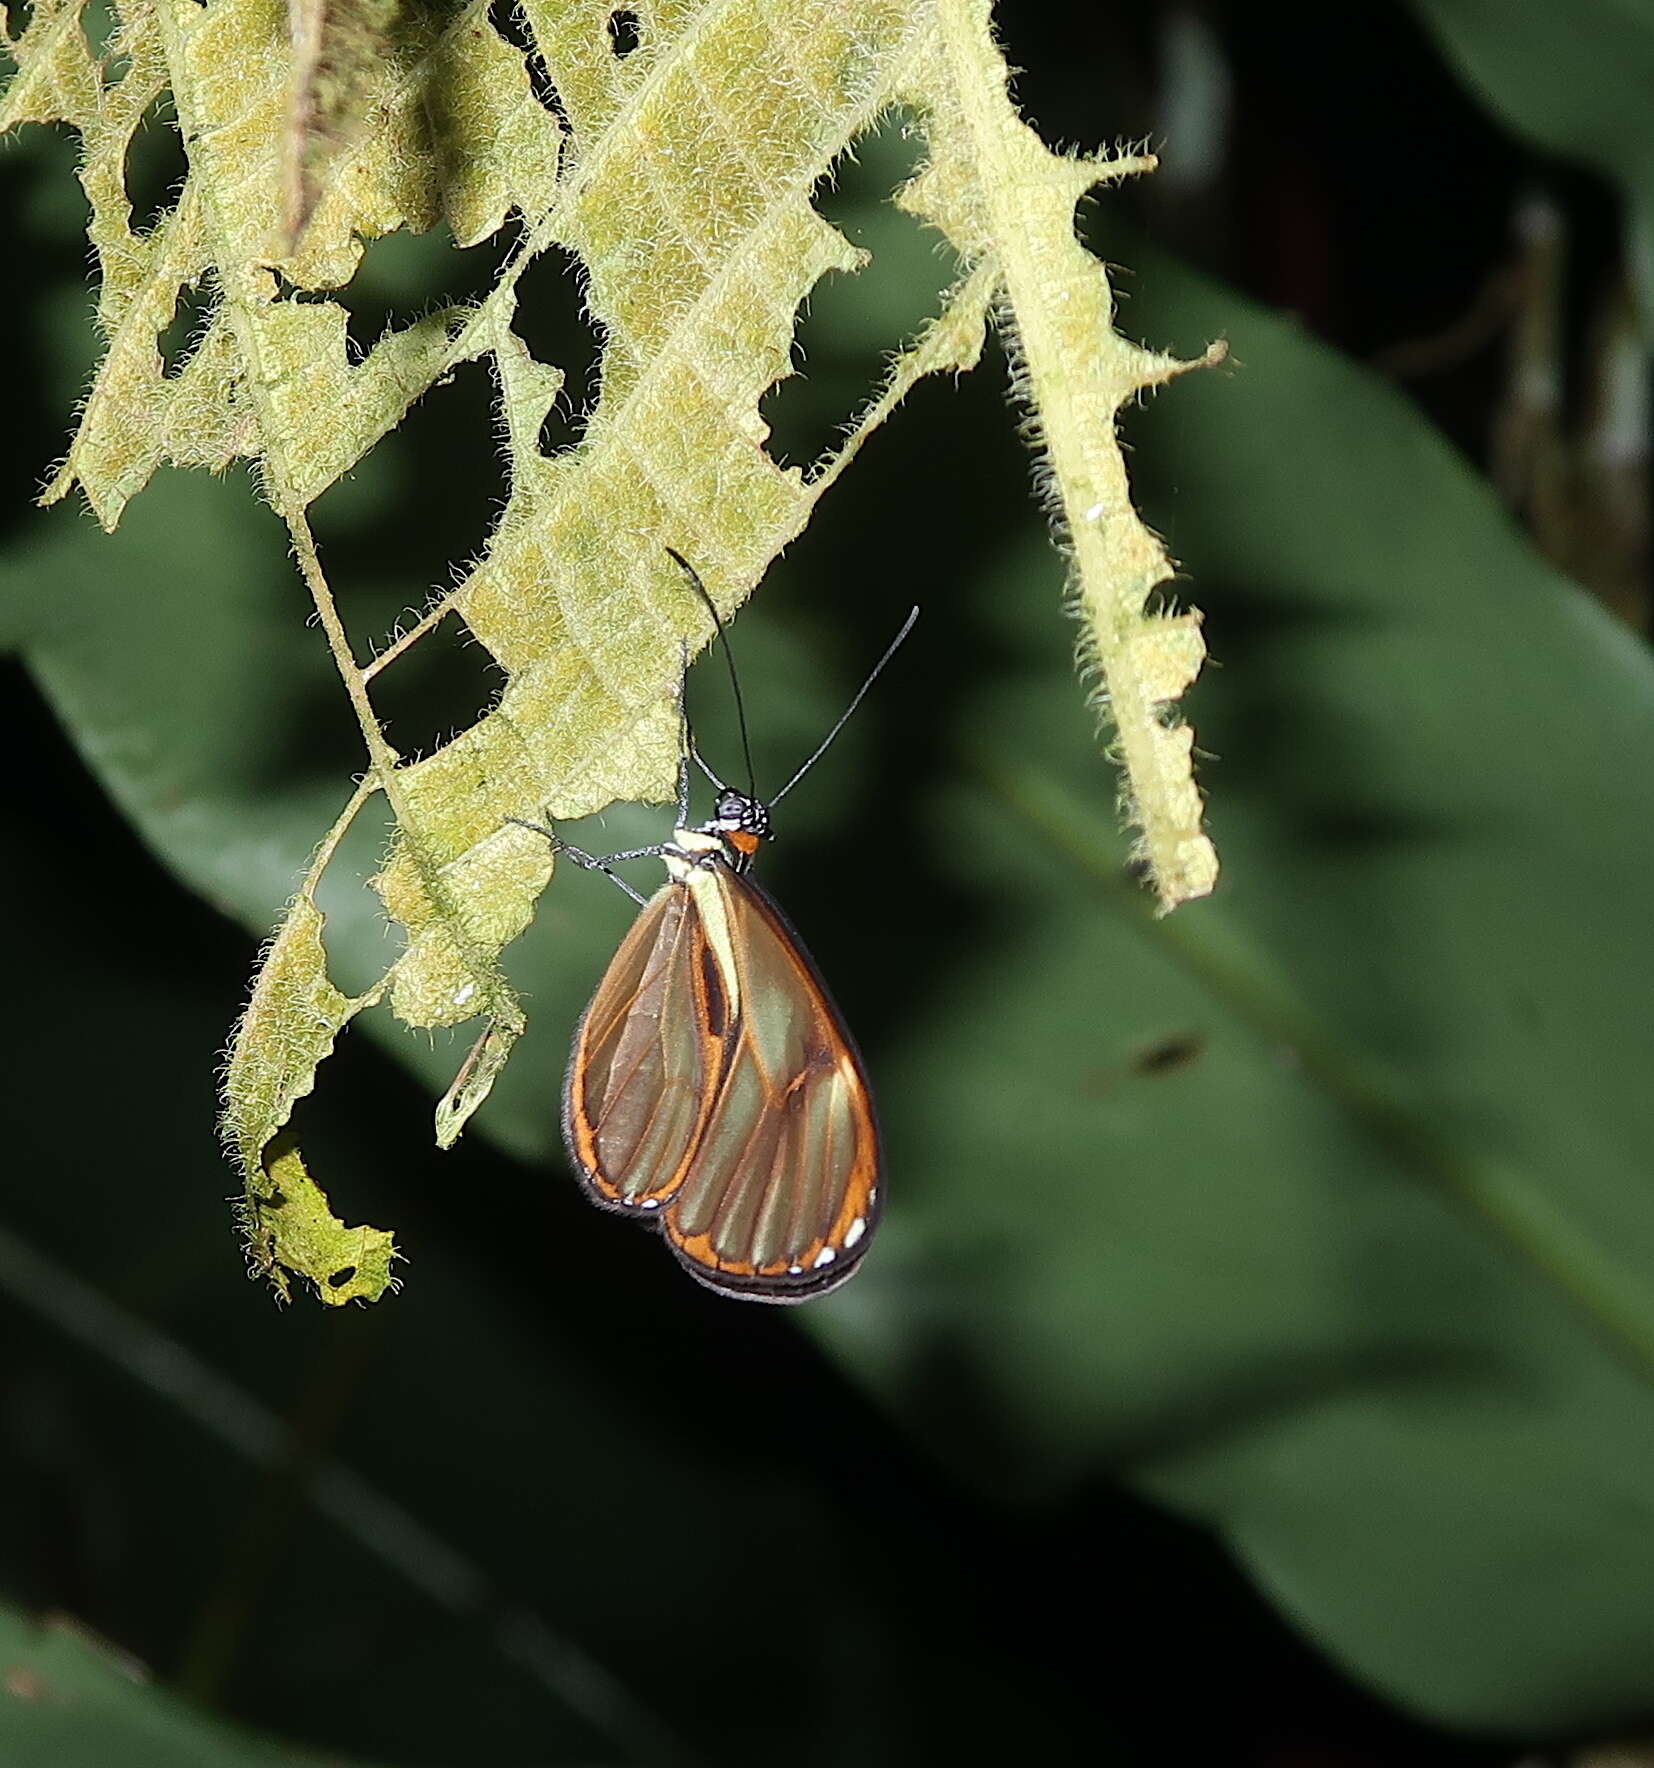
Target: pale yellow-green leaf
{"x": 683, "y": 185}
{"x": 57, "y": 78}
{"x": 323, "y": 412}
{"x": 527, "y": 390}
{"x": 1004, "y": 199}
{"x": 497, "y": 147}
{"x": 474, "y": 1080}
{"x": 290, "y": 1228}
{"x": 458, "y": 920}
{"x": 289, "y": 1027}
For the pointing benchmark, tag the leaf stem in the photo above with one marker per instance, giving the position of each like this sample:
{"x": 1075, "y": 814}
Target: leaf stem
{"x": 431, "y": 617}
{"x": 383, "y": 756}
{"x": 365, "y": 789}
{"x": 384, "y": 773}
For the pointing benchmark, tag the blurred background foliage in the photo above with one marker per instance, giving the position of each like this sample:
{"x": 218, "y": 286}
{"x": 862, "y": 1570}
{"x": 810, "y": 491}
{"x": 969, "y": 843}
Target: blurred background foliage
{"x": 1256, "y": 1364}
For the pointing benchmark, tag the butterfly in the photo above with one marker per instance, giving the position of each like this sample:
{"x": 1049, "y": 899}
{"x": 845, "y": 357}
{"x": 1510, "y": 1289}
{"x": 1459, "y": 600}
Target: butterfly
{"x": 713, "y": 1089}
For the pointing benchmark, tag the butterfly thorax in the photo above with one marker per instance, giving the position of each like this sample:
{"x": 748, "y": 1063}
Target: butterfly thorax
{"x": 694, "y": 859}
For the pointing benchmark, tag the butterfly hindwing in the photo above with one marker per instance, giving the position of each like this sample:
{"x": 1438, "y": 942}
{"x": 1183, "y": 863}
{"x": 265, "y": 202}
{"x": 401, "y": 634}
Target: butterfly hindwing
{"x": 780, "y": 1195}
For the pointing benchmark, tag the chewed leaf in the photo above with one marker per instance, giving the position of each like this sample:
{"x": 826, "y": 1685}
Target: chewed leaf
{"x": 458, "y": 920}
{"x": 474, "y": 1081}
{"x": 497, "y": 147}
{"x": 291, "y": 1021}
{"x": 681, "y": 177}
{"x": 323, "y": 410}
{"x": 57, "y": 78}
{"x": 1005, "y": 200}
{"x": 291, "y": 1229}
{"x": 289, "y": 1028}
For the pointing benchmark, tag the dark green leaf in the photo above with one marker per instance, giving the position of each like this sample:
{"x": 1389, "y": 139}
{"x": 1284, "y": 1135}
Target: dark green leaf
{"x": 68, "y": 1699}
{"x": 1322, "y": 1208}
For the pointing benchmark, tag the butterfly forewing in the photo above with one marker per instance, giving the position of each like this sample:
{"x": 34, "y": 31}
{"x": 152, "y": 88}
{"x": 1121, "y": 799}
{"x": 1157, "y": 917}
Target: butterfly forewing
{"x": 643, "y": 1068}
{"x": 780, "y": 1193}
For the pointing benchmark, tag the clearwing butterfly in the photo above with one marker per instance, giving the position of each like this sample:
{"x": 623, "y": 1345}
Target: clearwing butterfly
{"x": 713, "y": 1090}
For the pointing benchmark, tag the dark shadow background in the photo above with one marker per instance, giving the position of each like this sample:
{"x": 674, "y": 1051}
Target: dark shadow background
{"x": 865, "y": 1582}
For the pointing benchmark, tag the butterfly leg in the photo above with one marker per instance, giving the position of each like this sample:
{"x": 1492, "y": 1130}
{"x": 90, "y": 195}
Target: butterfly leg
{"x": 590, "y": 862}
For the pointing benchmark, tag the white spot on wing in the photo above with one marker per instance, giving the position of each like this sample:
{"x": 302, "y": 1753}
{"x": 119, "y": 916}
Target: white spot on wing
{"x": 650, "y": 1203}
{"x": 857, "y": 1228}
{"x": 795, "y": 1270}
{"x": 824, "y": 1257}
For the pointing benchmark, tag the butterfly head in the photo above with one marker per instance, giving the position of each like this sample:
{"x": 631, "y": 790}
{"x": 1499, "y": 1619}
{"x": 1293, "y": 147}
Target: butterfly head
{"x": 741, "y": 822}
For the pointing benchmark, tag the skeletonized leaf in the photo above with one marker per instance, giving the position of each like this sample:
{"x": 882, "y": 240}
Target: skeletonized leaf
{"x": 290, "y": 1025}
{"x": 1005, "y": 200}
{"x": 681, "y": 176}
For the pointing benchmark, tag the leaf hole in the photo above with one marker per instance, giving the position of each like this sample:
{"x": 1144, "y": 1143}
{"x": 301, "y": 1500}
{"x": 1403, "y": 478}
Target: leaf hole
{"x": 1108, "y": 68}
{"x": 440, "y": 686}
{"x": 283, "y": 1142}
{"x": 513, "y": 27}
{"x": 405, "y": 276}
{"x": 185, "y": 330}
{"x": 353, "y": 963}
{"x": 553, "y": 321}
{"x": 155, "y": 167}
{"x": 425, "y": 498}
{"x": 625, "y": 32}
{"x": 849, "y": 325}
{"x": 338, "y": 1279}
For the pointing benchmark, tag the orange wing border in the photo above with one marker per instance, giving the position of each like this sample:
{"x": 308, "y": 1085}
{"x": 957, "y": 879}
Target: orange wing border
{"x": 863, "y": 1198}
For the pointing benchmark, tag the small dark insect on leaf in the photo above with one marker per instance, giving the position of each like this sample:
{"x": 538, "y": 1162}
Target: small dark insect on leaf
{"x": 625, "y": 32}
{"x": 1169, "y": 1054}
{"x": 340, "y": 1278}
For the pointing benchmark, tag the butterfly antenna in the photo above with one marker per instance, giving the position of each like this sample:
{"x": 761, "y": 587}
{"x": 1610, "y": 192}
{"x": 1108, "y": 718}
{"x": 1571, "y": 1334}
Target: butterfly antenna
{"x": 699, "y": 588}
{"x": 700, "y": 761}
{"x": 844, "y": 717}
